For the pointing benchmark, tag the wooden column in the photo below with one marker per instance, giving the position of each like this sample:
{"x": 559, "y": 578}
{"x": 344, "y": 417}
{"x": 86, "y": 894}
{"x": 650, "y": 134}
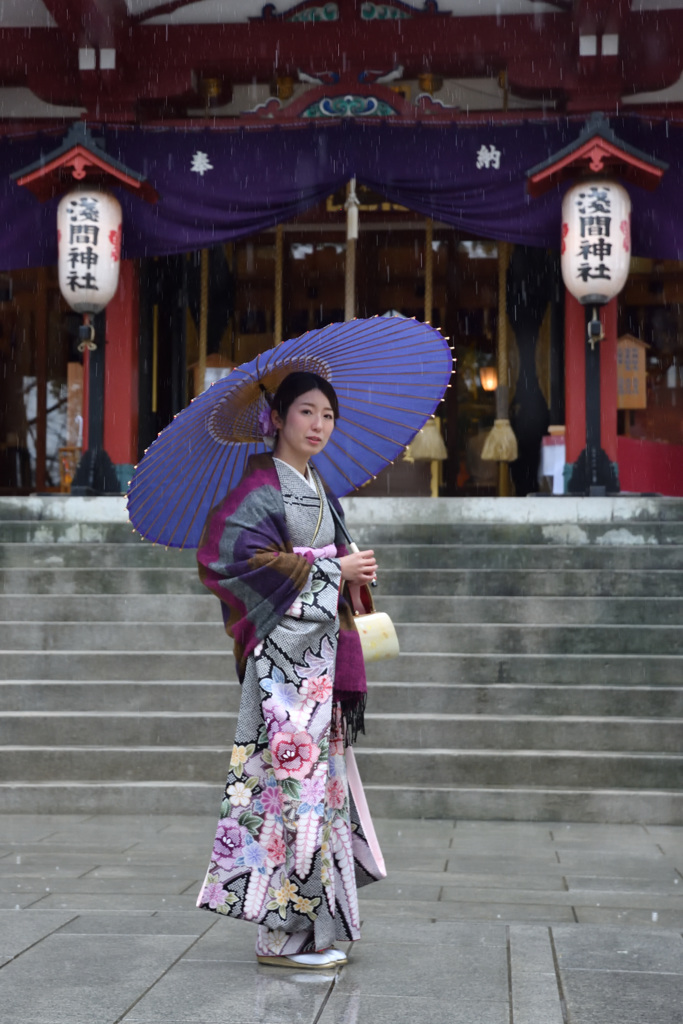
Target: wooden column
{"x": 279, "y": 251}
{"x": 501, "y": 444}
{"x": 351, "y": 207}
{"x": 503, "y": 367}
{"x": 155, "y": 358}
{"x": 429, "y": 270}
{"x": 350, "y": 280}
{"x": 203, "y": 321}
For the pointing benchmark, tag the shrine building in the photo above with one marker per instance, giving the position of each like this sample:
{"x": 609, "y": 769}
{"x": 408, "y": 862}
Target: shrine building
{"x": 235, "y": 135}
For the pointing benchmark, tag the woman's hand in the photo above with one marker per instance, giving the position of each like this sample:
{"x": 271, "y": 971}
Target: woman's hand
{"x": 359, "y": 567}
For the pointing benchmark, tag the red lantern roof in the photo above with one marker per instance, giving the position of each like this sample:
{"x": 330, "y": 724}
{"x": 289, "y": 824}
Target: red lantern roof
{"x": 80, "y": 160}
{"x": 597, "y": 150}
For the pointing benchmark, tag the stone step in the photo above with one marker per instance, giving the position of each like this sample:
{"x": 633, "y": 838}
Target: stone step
{"x": 194, "y": 696}
{"x": 600, "y": 769}
{"x": 525, "y": 732}
{"x": 524, "y": 583}
{"x": 531, "y": 610}
{"x": 637, "y": 532}
{"x": 428, "y": 582}
{"x": 179, "y": 608}
{"x": 527, "y": 556}
{"x": 92, "y": 581}
{"x": 530, "y": 638}
{"x": 393, "y": 730}
{"x": 115, "y": 659}
{"x": 526, "y": 638}
{"x": 619, "y": 509}
{"x": 118, "y": 728}
{"x": 186, "y": 608}
{"x": 136, "y": 555}
{"x": 499, "y": 803}
{"x": 394, "y": 556}
{"x": 475, "y": 669}
{"x": 519, "y": 699}
{"x": 531, "y": 669}
{"x": 104, "y": 696}
{"x": 60, "y": 508}
{"x": 49, "y": 531}
{"x": 497, "y": 533}
{"x": 622, "y": 510}
{"x": 525, "y": 803}
{"x": 429, "y": 766}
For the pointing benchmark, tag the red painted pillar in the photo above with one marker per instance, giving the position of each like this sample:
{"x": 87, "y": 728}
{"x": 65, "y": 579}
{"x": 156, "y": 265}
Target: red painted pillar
{"x": 121, "y": 369}
{"x": 608, "y": 380}
{"x": 574, "y": 377}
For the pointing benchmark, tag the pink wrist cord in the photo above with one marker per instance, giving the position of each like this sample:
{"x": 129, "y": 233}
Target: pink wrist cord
{"x": 329, "y": 551}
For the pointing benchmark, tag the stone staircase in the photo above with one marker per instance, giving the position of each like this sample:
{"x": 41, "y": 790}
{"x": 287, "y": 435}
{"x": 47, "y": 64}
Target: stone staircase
{"x": 541, "y": 674}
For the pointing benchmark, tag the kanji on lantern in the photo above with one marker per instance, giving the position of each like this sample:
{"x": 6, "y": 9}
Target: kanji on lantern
{"x": 89, "y": 234}
{"x": 595, "y": 256}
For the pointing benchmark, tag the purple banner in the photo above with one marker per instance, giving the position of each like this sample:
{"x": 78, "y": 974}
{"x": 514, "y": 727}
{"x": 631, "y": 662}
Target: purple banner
{"x": 219, "y": 184}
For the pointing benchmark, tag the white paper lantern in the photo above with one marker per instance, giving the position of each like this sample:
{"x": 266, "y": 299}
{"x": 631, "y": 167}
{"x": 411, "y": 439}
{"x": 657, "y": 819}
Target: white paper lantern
{"x": 596, "y": 240}
{"x": 89, "y": 236}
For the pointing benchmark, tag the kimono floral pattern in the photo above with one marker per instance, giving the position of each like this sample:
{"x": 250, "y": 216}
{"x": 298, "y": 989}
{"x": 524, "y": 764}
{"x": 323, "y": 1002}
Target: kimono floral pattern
{"x": 289, "y": 851}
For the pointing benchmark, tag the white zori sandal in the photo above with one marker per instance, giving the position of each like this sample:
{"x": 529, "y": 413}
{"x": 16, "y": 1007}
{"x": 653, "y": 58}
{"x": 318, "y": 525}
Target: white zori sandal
{"x": 308, "y": 961}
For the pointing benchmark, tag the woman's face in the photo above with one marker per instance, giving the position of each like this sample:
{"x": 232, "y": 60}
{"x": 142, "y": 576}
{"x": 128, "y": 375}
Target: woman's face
{"x": 306, "y": 428}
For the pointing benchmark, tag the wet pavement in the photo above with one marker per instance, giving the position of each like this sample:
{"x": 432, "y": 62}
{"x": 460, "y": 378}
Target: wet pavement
{"x": 477, "y": 923}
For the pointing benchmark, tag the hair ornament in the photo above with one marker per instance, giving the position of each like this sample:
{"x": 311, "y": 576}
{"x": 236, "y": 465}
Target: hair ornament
{"x": 266, "y": 426}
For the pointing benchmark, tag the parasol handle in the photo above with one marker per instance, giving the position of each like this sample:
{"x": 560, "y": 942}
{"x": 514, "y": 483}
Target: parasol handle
{"x": 353, "y": 547}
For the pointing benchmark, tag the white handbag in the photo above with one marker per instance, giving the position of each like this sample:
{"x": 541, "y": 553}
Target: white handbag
{"x": 377, "y": 636}
{"x": 375, "y": 629}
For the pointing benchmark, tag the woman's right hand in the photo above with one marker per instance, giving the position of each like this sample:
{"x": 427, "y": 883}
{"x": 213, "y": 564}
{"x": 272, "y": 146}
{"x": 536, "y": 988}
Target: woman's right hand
{"x": 359, "y": 567}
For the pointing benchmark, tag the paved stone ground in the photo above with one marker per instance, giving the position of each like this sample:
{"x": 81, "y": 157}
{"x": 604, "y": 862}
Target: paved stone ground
{"x": 477, "y": 923}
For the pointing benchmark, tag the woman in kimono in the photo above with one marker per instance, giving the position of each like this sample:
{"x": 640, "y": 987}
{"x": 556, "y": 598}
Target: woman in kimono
{"x": 290, "y": 851}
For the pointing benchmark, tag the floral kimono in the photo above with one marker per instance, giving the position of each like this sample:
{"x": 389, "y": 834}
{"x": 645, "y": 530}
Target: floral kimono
{"x": 289, "y": 851}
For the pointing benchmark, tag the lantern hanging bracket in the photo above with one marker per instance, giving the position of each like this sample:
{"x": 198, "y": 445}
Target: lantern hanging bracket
{"x": 86, "y": 335}
{"x": 595, "y": 329}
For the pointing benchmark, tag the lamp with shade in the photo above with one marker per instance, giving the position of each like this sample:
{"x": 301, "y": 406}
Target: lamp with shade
{"x": 488, "y": 377}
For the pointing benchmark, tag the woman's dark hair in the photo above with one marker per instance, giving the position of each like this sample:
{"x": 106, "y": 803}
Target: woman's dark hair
{"x": 297, "y": 384}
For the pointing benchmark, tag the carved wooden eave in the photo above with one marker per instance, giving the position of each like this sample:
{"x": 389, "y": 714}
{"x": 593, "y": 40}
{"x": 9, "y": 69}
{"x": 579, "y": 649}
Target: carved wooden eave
{"x": 329, "y": 10}
{"x": 79, "y": 159}
{"x": 344, "y": 99}
{"x": 118, "y": 66}
{"x": 597, "y": 150}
